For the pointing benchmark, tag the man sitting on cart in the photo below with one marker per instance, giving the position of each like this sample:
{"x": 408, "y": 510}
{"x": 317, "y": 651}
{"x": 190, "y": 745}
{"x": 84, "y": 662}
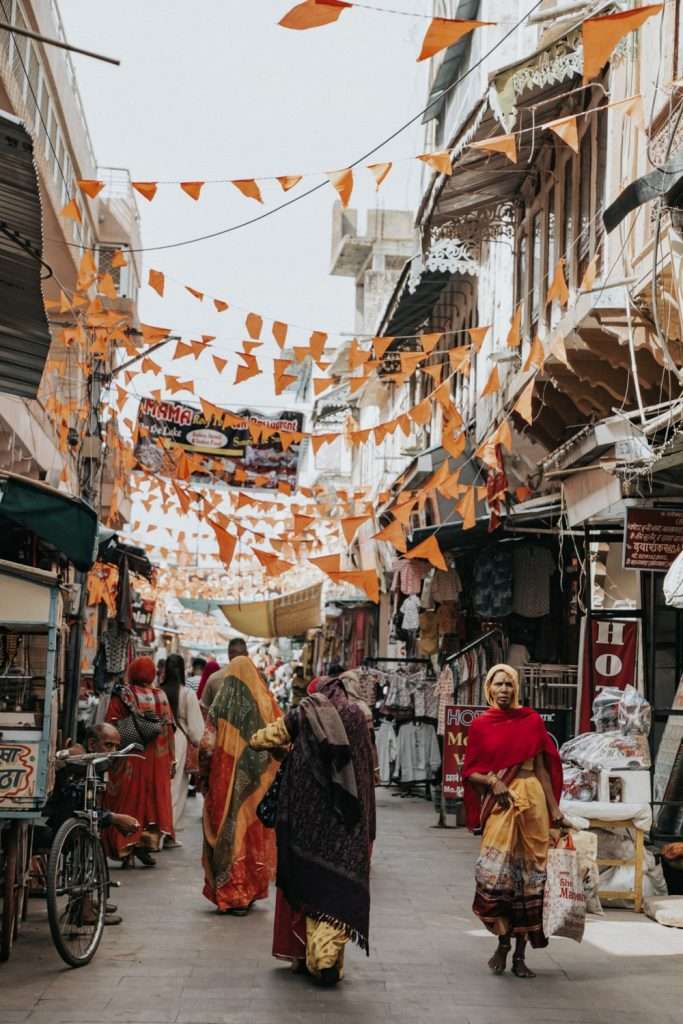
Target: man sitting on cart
{"x": 67, "y": 796}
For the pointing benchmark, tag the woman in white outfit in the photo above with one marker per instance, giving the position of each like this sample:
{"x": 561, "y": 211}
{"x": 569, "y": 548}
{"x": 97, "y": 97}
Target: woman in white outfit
{"x": 189, "y": 723}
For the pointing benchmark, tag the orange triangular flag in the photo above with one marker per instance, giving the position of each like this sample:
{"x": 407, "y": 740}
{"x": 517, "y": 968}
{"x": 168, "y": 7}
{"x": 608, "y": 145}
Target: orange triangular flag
{"x": 365, "y": 579}
{"x": 523, "y": 404}
{"x": 321, "y": 384}
{"x": 536, "y": 355}
{"x": 566, "y": 128}
{"x": 558, "y": 286}
{"x": 351, "y": 524}
{"x": 247, "y": 372}
{"x": 492, "y": 386}
{"x": 219, "y": 363}
{"x": 71, "y": 212}
{"x": 428, "y": 342}
{"x": 147, "y": 189}
{"x": 283, "y": 382}
{"x": 248, "y": 188}
{"x": 559, "y": 349}
{"x": 444, "y": 32}
{"x": 422, "y": 413}
{"x": 279, "y": 331}
{"x": 118, "y": 259}
{"x": 506, "y": 144}
{"x": 194, "y": 293}
{"x": 588, "y": 279}
{"x": 151, "y": 334}
{"x": 288, "y": 181}
{"x": 434, "y": 371}
{"x": 467, "y": 508}
{"x": 311, "y": 14}
{"x": 600, "y": 35}
{"x": 90, "y": 188}
{"x": 317, "y": 343}
{"x": 393, "y": 534}
{"x": 441, "y": 162}
{"x": 429, "y": 550}
{"x": 273, "y": 565}
{"x": 157, "y": 281}
{"x": 477, "y": 335}
{"x": 192, "y": 188}
{"x": 343, "y": 182}
{"x": 226, "y": 543}
{"x": 254, "y": 325}
{"x": 503, "y": 435}
{"x": 182, "y": 350}
{"x": 220, "y": 305}
{"x": 328, "y": 563}
{"x": 459, "y": 358}
{"x": 380, "y": 345}
{"x": 380, "y": 172}
{"x": 453, "y": 439}
{"x": 514, "y": 338}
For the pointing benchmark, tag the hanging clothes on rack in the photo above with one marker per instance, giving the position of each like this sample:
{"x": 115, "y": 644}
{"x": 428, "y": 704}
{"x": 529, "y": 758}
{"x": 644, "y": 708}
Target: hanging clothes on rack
{"x": 418, "y": 758}
{"x": 387, "y": 749}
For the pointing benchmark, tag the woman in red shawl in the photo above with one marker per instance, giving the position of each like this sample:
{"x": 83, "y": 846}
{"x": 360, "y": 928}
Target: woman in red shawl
{"x": 513, "y": 782}
{"x": 141, "y": 787}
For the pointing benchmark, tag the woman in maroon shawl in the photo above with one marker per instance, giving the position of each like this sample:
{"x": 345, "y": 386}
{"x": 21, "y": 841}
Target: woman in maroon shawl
{"x": 513, "y": 782}
{"x": 325, "y": 827}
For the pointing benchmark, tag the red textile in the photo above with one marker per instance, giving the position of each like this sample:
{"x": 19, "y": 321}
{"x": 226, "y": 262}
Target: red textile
{"x": 142, "y": 671}
{"x": 498, "y": 740}
{"x": 289, "y": 930}
{"x": 208, "y": 670}
{"x": 138, "y": 786}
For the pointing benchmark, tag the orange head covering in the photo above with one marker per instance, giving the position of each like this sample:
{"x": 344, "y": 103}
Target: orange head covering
{"x": 142, "y": 670}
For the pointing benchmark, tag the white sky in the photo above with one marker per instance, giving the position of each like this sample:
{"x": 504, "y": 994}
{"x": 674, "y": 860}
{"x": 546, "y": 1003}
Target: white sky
{"x": 219, "y": 90}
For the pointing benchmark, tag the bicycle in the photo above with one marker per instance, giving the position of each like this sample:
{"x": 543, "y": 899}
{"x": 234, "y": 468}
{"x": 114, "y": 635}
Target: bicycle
{"x": 77, "y": 872}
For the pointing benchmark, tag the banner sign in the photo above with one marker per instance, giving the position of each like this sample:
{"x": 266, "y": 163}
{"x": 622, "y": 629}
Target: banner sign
{"x": 459, "y": 718}
{"x": 263, "y": 463}
{"x": 17, "y": 771}
{"x": 653, "y": 538}
{"x": 610, "y": 658}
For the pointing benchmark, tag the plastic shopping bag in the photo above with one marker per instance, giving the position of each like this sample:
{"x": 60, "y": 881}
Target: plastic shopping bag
{"x": 564, "y": 900}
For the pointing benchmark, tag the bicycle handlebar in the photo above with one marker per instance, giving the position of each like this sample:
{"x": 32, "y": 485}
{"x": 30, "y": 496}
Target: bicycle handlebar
{"x": 132, "y": 750}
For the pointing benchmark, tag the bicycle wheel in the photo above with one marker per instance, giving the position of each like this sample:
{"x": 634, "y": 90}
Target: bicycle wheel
{"x": 76, "y": 892}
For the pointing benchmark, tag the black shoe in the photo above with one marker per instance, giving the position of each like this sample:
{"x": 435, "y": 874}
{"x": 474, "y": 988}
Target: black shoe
{"x": 329, "y": 976}
{"x": 111, "y": 908}
{"x": 146, "y": 858}
{"x": 111, "y": 919}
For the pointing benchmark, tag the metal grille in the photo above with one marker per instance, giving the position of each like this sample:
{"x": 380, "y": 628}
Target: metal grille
{"x": 549, "y": 686}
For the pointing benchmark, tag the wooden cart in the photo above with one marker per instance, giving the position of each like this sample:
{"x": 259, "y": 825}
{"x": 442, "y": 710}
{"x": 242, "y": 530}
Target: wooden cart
{"x": 31, "y": 677}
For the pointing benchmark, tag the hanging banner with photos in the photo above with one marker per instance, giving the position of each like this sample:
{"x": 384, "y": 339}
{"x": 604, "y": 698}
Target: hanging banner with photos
{"x": 166, "y": 426}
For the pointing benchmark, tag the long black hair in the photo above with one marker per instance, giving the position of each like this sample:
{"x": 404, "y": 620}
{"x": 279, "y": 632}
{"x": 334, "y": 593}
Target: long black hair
{"x": 174, "y": 678}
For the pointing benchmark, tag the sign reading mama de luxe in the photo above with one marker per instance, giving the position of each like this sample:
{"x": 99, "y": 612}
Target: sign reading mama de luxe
{"x": 653, "y": 537}
{"x": 263, "y": 462}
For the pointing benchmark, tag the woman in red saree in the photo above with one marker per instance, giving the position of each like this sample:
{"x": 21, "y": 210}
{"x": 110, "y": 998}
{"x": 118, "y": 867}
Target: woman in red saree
{"x": 141, "y": 787}
{"x": 239, "y": 852}
{"x": 513, "y": 782}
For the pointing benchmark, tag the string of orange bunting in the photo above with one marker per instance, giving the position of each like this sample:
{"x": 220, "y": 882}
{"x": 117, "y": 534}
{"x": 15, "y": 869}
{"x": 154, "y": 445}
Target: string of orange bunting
{"x": 441, "y": 162}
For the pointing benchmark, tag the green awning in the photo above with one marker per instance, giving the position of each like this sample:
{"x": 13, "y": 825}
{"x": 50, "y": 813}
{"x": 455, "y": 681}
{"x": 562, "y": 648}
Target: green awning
{"x": 67, "y": 524}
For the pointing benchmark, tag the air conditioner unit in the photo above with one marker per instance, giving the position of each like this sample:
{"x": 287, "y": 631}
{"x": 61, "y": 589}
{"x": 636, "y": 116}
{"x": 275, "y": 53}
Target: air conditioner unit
{"x": 415, "y": 443}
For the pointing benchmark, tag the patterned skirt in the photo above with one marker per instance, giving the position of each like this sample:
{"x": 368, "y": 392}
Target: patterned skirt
{"x": 510, "y": 871}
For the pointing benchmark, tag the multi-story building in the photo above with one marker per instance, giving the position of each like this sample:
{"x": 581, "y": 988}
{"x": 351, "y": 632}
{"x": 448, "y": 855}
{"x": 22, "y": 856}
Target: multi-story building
{"x": 54, "y": 432}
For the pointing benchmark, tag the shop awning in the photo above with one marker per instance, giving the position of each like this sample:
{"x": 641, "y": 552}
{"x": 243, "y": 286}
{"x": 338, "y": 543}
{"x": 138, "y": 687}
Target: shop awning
{"x": 288, "y": 615}
{"x": 24, "y": 331}
{"x": 67, "y": 524}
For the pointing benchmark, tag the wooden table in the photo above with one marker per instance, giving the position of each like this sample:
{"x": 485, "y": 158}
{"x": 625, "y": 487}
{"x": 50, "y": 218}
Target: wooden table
{"x": 637, "y": 861}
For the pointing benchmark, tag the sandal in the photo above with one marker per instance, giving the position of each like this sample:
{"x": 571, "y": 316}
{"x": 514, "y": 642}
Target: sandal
{"x": 520, "y": 969}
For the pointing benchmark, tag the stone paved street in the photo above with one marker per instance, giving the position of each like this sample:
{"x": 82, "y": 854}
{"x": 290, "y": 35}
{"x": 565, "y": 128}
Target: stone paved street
{"x": 173, "y": 960}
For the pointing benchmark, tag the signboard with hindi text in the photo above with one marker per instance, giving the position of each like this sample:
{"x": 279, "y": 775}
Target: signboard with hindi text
{"x": 459, "y": 718}
{"x": 164, "y": 427}
{"x": 653, "y": 537}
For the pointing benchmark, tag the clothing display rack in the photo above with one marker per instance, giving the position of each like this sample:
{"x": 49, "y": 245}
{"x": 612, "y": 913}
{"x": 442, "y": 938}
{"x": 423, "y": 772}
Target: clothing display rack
{"x": 474, "y": 643}
{"x": 418, "y": 787}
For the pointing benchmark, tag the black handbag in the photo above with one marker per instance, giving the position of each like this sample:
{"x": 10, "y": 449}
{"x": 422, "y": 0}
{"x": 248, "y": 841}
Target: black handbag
{"x": 138, "y": 726}
{"x": 266, "y": 812}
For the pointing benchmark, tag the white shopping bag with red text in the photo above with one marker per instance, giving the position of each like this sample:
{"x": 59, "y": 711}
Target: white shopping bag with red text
{"x": 564, "y": 901}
